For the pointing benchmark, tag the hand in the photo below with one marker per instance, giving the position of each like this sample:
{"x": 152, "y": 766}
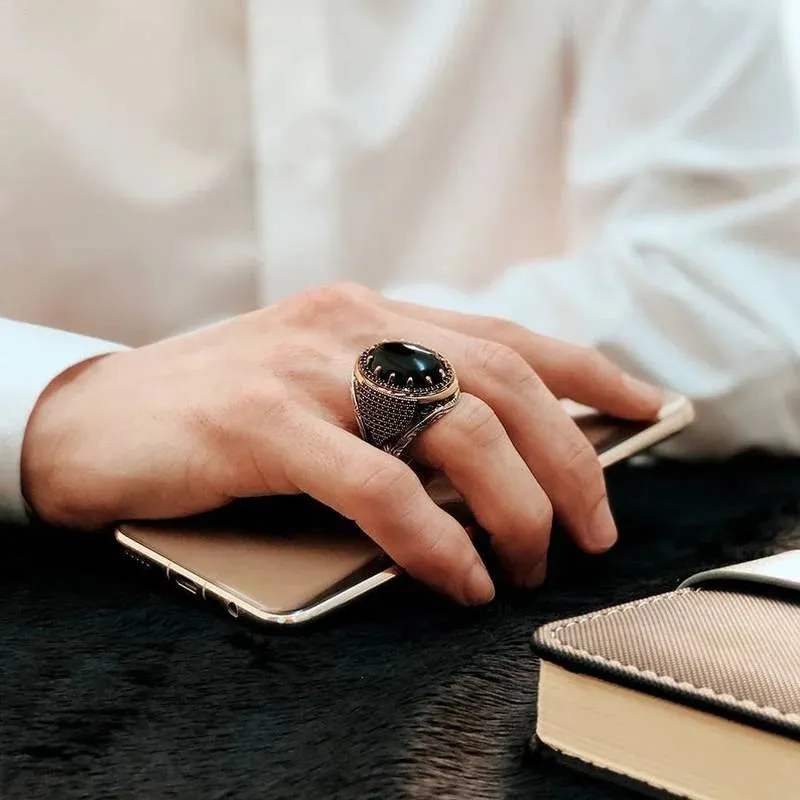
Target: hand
{"x": 260, "y": 405}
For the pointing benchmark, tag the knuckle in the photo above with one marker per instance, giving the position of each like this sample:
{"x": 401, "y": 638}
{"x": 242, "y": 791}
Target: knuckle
{"x": 530, "y": 531}
{"x": 389, "y": 484}
{"x": 541, "y": 515}
{"x": 511, "y": 333}
{"x": 597, "y": 498}
{"x": 580, "y": 458}
{"x": 503, "y": 364}
{"x": 348, "y": 292}
{"x": 580, "y": 474}
{"x": 328, "y": 299}
{"x": 485, "y": 354}
{"x": 432, "y": 556}
{"x": 596, "y": 367}
{"x": 495, "y": 329}
{"x": 476, "y": 422}
{"x": 524, "y": 381}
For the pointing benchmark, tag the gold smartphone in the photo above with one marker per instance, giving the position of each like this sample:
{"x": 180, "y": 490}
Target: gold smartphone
{"x": 289, "y": 560}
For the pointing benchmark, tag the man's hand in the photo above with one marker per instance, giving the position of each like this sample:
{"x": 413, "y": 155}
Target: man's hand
{"x": 261, "y": 405}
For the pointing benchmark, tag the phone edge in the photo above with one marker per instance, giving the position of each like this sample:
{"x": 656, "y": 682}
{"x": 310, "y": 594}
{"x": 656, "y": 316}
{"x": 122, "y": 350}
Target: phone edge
{"x": 674, "y": 416}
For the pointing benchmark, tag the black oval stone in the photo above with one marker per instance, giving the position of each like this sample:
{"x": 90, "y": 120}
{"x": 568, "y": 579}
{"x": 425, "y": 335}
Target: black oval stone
{"x": 408, "y": 362}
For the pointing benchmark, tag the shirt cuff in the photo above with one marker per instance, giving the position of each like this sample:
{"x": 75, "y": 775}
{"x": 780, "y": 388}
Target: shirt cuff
{"x": 30, "y": 358}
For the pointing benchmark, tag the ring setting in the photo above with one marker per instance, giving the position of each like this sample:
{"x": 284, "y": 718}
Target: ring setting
{"x": 398, "y": 389}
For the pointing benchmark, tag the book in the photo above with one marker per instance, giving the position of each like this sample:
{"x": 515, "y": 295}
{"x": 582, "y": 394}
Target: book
{"x": 693, "y": 693}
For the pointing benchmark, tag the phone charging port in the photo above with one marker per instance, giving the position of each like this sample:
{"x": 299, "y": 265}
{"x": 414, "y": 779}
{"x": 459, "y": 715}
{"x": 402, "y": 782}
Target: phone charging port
{"x": 187, "y": 584}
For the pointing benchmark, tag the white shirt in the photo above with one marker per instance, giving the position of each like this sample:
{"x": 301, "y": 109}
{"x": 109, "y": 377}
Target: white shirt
{"x": 623, "y": 173}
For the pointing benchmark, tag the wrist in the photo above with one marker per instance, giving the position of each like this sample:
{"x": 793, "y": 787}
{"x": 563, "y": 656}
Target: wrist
{"x": 49, "y": 474}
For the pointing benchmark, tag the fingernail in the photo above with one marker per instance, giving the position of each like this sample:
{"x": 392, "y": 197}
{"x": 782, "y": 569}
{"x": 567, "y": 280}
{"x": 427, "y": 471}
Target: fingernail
{"x": 646, "y": 391}
{"x": 537, "y": 575}
{"x": 479, "y": 588}
{"x": 603, "y": 529}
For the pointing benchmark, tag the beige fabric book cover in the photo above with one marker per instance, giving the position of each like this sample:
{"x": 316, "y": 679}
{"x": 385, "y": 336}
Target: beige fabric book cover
{"x": 693, "y": 693}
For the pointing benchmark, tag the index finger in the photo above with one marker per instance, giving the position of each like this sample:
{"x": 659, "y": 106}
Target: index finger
{"x": 384, "y": 497}
{"x": 569, "y": 370}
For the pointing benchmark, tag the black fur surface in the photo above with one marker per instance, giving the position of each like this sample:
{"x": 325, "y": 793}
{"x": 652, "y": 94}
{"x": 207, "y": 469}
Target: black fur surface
{"x": 115, "y": 687}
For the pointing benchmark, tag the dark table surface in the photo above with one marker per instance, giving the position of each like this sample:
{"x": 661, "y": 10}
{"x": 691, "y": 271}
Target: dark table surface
{"x": 112, "y": 686}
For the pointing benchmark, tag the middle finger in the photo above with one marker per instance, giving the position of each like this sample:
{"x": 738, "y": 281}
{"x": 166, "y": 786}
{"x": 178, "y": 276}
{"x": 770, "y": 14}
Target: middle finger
{"x": 470, "y": 445}
{"x": 560, "y": 457}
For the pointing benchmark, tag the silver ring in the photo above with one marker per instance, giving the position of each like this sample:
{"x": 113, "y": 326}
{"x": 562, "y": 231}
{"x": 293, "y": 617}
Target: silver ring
{"x": 399, "y": 389}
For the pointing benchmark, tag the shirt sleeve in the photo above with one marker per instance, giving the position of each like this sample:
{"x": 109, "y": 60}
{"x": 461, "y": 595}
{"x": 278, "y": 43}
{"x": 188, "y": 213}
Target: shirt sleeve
{"x": 30, "y": 358}
{"x": 683, "y": 187}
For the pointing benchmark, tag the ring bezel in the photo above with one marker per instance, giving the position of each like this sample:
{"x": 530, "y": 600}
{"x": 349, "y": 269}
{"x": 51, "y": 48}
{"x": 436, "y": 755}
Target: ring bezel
{"x": 420, "y": 406}
{"x": 427, "y": 394}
